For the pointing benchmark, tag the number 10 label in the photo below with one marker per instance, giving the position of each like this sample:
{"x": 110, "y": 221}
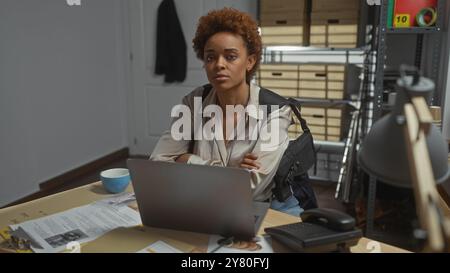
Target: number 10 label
{"x": 401, "y": 20}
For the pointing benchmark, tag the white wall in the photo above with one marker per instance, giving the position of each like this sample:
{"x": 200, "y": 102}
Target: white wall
{"x": 62, "y": 89}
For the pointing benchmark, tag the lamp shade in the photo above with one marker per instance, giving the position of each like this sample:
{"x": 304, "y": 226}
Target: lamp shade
{"x": 383, "y": 152}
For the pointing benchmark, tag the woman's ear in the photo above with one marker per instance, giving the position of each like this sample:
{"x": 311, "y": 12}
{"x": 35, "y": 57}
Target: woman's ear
{"x": 251, "y": 60}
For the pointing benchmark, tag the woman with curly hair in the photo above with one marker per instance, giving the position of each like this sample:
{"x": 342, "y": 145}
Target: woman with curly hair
{"x": 228, "y": 43}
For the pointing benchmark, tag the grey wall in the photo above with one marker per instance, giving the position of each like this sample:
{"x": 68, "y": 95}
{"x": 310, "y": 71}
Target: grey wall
{"x": 62, "y": 89}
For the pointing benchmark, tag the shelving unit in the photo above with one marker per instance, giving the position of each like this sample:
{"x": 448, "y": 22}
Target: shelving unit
{"x": 300, "y": 55}
{"x": 374, "y": 106}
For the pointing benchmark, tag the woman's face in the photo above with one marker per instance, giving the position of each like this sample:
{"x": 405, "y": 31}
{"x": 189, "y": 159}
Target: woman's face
{"x": 226, "y": 60}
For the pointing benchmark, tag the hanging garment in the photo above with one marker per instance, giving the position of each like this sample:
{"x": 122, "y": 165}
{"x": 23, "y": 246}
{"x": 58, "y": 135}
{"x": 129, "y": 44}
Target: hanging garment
{"x": 171, "y": 59}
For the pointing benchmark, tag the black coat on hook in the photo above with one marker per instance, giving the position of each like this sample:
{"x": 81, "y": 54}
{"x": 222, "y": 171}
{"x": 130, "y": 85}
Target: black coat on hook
{"x": 171, "y": 59}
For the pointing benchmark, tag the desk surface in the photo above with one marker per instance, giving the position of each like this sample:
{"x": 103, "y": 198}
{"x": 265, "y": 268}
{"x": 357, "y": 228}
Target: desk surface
{"x": 136, "y": 238}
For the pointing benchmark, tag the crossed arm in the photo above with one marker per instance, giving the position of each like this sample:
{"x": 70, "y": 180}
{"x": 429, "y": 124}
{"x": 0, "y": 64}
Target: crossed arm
{"x": 248, "y": 162}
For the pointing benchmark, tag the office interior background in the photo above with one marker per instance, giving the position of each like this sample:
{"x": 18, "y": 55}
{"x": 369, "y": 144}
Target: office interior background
{"x": 78, "y": 90}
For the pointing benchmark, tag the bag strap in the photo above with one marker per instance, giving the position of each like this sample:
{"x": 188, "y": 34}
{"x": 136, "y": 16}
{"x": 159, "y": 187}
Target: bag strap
{"x": 206, "y": 90}
{"x": 295, "y": 106}
{"x": 268, "y": 97}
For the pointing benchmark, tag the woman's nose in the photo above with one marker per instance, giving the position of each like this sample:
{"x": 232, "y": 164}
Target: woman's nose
{"x": 220, "y": 62}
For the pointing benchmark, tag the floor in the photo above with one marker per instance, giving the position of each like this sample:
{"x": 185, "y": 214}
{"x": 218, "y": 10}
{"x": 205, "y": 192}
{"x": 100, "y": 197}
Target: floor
{"x": 325, "y": 196}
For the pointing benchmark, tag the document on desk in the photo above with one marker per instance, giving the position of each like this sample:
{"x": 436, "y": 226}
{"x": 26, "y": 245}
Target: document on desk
{"x": 160, "y": 247}
{"x": 82, "y": 224}
{"x": 259, "y": 244}
{"x": 120, "y": 199}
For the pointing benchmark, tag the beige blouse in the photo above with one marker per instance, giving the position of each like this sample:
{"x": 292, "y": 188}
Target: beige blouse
{"x": 216, "y": 153}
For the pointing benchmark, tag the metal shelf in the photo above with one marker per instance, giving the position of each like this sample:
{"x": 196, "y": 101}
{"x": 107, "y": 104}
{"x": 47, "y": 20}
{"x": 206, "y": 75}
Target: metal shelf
{"x": 321, "y": 180}
{"x": 303, "y": 55}
{"x": 287, "y": 48}
{"x": 327, "y": 102}
{"x": 362, "y": 57}
{"x": 413, "y": 30}
{"x": 329, "y": 146}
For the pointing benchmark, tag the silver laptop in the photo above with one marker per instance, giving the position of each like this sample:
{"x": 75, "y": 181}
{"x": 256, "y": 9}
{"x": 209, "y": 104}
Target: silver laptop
{"x": 205, "y": 199}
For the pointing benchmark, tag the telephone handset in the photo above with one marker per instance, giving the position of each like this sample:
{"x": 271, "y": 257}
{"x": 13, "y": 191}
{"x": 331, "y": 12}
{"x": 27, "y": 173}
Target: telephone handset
{"x": 321, "y": 230}
{"x": 330, "y": 218}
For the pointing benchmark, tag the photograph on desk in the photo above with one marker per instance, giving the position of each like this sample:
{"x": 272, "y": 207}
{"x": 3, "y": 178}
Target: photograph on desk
{"x": 248, "y": 127}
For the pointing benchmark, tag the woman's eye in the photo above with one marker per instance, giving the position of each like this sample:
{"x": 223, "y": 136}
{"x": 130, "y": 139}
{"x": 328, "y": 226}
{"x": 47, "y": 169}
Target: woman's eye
{"x": 209, "y": 58}
{"x": 231, "y": 57}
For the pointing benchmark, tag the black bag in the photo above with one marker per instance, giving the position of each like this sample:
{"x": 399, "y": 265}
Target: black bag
{"x": 292, "y": 174}
{"x": 291, "y": 177}
{"x": 303, "y": 192}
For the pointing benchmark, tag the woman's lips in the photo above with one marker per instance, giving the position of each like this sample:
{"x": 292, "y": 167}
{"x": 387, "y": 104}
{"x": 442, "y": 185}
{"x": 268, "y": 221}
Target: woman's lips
{"x": 221, "y": 78}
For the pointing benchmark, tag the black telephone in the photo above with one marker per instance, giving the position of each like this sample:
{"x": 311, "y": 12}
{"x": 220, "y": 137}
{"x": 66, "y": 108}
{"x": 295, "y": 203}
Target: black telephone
{"x": 321, "y": 230}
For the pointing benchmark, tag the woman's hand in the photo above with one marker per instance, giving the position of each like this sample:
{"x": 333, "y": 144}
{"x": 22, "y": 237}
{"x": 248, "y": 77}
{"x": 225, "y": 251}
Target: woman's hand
{"x": 249, "y": 162}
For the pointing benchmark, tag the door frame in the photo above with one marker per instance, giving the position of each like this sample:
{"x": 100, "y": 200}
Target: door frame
{"x": 136, "y": 67}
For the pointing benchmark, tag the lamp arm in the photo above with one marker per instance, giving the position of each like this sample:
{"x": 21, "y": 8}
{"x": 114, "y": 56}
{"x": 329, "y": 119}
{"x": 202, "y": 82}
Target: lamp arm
{"x": 426, "y": 195}
{"x": 423, "y": 113}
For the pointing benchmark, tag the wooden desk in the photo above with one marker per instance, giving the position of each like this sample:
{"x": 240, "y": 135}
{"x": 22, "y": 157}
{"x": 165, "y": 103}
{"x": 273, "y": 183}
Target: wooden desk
{"x": 137, "y": 238}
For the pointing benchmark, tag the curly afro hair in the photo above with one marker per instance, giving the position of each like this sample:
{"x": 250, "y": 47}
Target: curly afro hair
{"x": 234, "y": 21}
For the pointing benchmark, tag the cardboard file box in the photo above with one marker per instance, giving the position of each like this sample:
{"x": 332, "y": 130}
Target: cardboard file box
{"x": 310, "y": 81}
{"x": 334, "y": 23}
{"x": 325, "y": 122}
{"x": 284, "y": 22}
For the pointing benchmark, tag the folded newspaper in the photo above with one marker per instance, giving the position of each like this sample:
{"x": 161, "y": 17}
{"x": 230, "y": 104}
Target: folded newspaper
{"x": 55, "y": 232}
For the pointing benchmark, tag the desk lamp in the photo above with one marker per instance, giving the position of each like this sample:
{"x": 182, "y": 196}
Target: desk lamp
{"x": 404, "y": 149}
